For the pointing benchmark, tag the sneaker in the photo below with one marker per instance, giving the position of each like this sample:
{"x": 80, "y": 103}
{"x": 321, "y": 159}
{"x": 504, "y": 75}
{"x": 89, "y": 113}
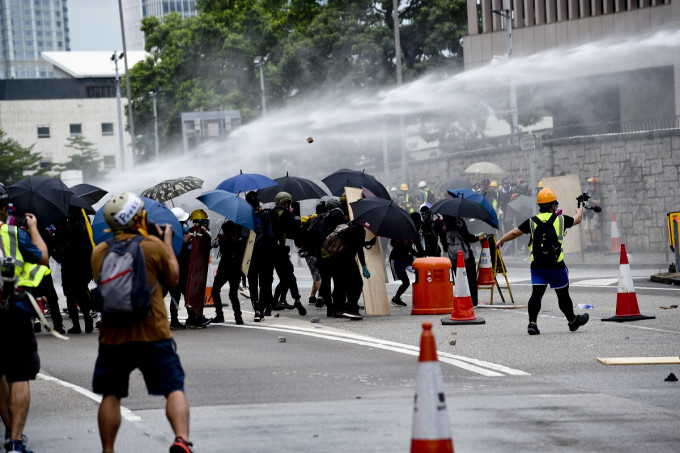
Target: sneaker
{"x": 532, "y": 329}
{"x": 19, "y": 446}
{"x": 397, "y": 301}
{"x": 286, "y": 305}
{"x": 581, "y": 320}
{"x": 59, "y": 328}
{"x": 198, "y": 323}
{"x": 319, "y": 303}
{"x": 267, "y": 312}
{"x": 312, "y": 300}
{"x": 75, "y": 329}
{"x": 352, "y": 315}
{"x": 8, "y": 437}
{"x": 239, "y": 320}
{"x": 176, "y": 325}
{"x": 280, "y": 306}
{"x": 89, "y": 324}
{"x": 301, "y": 309}
{"x": 181, "y": 446}
{"x": 218, "y": 319}
{"x": 257, "y": 316}
{"x": 37, "y": 327}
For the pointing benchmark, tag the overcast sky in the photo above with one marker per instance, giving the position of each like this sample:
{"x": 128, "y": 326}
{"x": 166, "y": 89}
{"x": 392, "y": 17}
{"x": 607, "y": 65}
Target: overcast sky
{"x": 94, "y": 25}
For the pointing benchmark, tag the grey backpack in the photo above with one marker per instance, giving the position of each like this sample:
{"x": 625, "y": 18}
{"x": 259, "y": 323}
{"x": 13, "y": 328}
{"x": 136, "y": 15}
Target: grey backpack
{"x": 123, "y": 295}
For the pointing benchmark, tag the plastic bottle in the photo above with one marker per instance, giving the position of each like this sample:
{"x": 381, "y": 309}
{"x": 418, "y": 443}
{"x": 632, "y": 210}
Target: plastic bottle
{"x": 585, "y": 306}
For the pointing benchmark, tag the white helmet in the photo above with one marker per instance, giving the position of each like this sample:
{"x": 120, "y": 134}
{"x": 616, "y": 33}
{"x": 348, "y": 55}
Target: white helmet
{"x": 181, "y": 215}
{"x": 422, "y": 184}
{"x": 121, "y": 211}
{"x": 393, "y": 189}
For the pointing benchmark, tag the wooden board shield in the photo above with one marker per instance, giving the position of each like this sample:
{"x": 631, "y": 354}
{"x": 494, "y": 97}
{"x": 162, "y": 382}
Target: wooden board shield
{"x": 198, "y": 270}
{"x": 248, "y": 254}
{"x": 567, "y": 188}
{"x": 374, "y": 290}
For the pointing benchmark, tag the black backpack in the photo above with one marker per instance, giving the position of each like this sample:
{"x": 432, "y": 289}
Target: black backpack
{"x": 123, "y": 295}
{"x": 546, "y": 247}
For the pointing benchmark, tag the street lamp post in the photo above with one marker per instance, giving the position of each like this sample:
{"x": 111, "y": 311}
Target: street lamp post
{"x": 155, "y": 121}
{"x": 397, "y": 50}
{"x": 115, "y": 57}
{"x": 259, "y": 62}
{"x": 507, "y": 14}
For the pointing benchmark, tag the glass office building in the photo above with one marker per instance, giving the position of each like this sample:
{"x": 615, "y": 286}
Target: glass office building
{"x": 135, "y": 10}
{"x": 29, "y": 27}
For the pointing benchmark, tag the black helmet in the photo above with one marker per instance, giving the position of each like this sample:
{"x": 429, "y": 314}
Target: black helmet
{"x": 252, "y": 199}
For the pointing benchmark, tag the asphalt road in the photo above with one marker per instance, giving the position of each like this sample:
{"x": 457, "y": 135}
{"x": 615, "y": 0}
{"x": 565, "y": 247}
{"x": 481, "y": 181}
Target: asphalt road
{"x": 345, "y": 386}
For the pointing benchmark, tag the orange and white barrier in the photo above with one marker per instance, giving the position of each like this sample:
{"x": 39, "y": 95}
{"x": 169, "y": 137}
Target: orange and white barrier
{"x": 616, "y": 236}
{"x": 431, "y": 431}
{"x": 626, "y": 301}
{"x": 212, "y": 271}
{"x": 463, "y": 311}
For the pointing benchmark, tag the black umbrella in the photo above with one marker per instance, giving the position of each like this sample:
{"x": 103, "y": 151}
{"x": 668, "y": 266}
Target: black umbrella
{"x": 88, "y": 192}
{"x": 48, "y": 198}
{"x": 337, "y": 182}
{"x": 299, "y": 188}
{"x": 384, "y": 218}
{"x": 172, "y": 188}
{"x": 462, "y": 207}
{"x": 81, "y": 203}
{"x": 522, "y": 207}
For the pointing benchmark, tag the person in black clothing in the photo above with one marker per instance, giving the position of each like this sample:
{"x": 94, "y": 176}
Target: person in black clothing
{"x": 459, "y": 238}
{"x": 334, "y": 217}
{"x": 401, "y": 257}
{"x": 309, "y": 243}
{"x": 232, "y": 245}
{"x": 431, "y": 231}
{"x": 261, "y": 271}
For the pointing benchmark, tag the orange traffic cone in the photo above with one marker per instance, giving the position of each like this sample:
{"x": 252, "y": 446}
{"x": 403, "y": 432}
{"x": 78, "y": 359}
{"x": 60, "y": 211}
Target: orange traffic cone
{"x": 431, "y": 432}
{"x": 463, "y": 312}
{"x": 616, "y": 236}
{"x": 485, "y": 273}
{"x": 209, "y": 283}
{"x": 626, "y": 301}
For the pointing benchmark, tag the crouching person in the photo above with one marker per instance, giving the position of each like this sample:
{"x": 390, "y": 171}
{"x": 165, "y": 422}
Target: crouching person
{"x": 142, "y": 339}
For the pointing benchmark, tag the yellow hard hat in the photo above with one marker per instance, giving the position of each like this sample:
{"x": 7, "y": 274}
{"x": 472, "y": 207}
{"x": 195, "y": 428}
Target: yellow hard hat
{"x": 198, "y": 214}
{"x": 546, "y": 196}
{"x": 540, "y": 184}
{"x": 493, "y": 184}
{"x": 404, "y": 186}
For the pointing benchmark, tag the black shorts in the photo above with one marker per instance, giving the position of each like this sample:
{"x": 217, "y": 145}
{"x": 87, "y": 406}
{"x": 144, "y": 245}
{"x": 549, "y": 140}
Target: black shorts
{"x": 158, "y": 361}
{"x": 19, "y": 360}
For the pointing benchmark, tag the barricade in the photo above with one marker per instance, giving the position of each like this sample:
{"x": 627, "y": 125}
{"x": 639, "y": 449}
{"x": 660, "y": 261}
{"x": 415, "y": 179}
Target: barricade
{"x": 433, "y": 289}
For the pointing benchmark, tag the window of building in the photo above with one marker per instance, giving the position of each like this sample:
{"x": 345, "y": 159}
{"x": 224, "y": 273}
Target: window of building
{"x": 107, "y": 128}
{"x": 76, "y": 130}
{"x": 109, "y": 162}
{"x": 44, "y": 131}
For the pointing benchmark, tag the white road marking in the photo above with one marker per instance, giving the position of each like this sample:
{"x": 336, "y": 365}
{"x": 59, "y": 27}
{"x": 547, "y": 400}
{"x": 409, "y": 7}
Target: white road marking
{"x": 473, "y": 365}
{"x": 126, "y": 413}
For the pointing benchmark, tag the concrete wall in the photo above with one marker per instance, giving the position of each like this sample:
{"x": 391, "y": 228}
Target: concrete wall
{"x": 639, "y": 174}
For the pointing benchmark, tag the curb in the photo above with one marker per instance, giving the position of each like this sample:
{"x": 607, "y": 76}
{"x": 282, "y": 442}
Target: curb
{"x": 666, "y": 277}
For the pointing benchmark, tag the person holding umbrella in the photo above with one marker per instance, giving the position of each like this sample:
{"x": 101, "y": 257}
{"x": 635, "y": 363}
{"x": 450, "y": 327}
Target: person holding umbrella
{"x": 459, "y": 238}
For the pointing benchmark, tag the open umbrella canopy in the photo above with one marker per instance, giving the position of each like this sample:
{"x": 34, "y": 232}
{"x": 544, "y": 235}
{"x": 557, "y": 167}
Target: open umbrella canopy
{"x": 156, "y": 212}
{"x": 48, "y": 198}
{"x": 243, "y": 182}
{"x": 80, "y": 203}
{"x": 521, "y": 207}
{"x": 230, "y": 206}
{"x": 462, "y": 207}
{"x": 340, "y": 179}
{"x": 172, "y": 188}
{"x": 88, "y": 192}
{"x": 384, "y": 218}
{"x": 486, "y": 168}
{"x": 299, "y": 188}
{"x": 477, "y": 198}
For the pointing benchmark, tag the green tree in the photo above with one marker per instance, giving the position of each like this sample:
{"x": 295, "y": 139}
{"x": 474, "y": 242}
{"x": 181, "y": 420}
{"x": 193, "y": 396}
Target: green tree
{"x": 16, "y": 161}
{"x": 85, "y": 158}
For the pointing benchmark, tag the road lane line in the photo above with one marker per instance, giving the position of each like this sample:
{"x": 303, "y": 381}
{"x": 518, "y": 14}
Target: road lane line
{"x": 126, "y": 413}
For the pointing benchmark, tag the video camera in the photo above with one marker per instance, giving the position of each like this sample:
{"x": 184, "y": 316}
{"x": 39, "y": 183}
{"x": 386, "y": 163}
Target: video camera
{"x": 8, "y": 281}
{"x": 583, "y": 200}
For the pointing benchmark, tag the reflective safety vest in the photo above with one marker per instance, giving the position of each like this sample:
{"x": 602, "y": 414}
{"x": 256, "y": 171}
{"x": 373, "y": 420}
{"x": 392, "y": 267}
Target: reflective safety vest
{"x": 558, "y": 224}
{"x": 29, "y": 275}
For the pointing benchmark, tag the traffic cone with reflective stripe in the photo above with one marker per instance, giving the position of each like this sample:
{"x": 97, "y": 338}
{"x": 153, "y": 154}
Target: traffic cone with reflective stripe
{"x": 431, "y": 432}
{"x": 463, "y": 311}
{"x": 209, "y": 283}
{"x": 485, "y": 273}
{"x": 626, "y": 301}
{"x": 616, "y": 236}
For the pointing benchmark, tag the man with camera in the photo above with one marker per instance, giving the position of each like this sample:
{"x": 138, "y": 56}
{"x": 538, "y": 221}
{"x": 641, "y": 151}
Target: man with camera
{"x": 24, "y": 264}
{"x": 547, "y": 231}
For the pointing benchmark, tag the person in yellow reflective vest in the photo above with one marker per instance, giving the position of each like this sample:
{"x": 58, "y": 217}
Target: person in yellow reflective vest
{"x": 547, "y": 258}
{"x": 24, "y": 258}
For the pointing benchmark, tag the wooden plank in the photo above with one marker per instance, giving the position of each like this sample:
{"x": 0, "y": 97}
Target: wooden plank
{"x": 639, "y": 360}
{"x": 248, "y": 255}
{"x": 374, "y": 290}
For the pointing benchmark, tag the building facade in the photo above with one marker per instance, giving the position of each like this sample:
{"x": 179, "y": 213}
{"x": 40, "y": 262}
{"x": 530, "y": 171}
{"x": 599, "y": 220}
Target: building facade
{"x": 27, "y": 28}
{"x": 136, "y": 10}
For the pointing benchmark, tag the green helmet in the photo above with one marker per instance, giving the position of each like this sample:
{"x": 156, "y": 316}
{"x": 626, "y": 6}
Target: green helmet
{"x": 282, "y": 197}
{"x": 121, "y": 210}
{"x": 332, "y": 203}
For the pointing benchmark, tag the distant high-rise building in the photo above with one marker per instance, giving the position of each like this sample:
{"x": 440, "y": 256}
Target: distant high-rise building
{"x": 136, "y": 10}
{"x": 29, "y": 27}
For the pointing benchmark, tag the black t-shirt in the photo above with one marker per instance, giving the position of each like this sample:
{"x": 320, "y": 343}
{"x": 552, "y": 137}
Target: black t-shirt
{"x": 525, "y": 228}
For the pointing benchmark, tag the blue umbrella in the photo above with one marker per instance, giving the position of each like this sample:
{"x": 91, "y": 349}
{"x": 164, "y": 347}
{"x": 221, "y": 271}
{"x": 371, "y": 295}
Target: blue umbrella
{"x": 156, "y": 212}
{"x": 477, "y": 198}
{"x": 243, "y": 182}
{"x": 230, "y": 206}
